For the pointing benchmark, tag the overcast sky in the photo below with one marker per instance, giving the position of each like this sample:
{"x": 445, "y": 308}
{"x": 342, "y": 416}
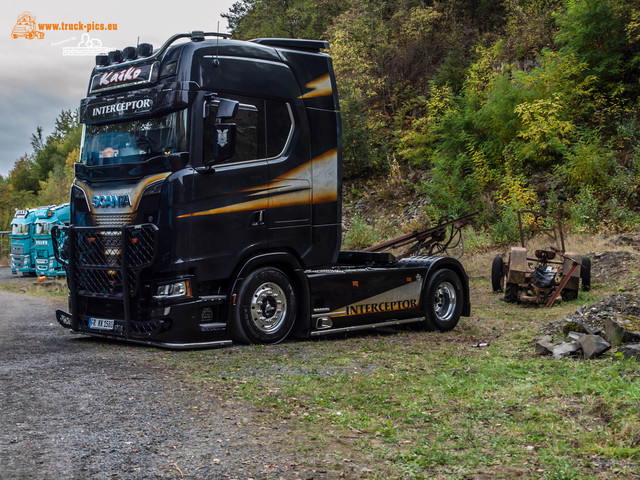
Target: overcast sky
{"x": 39, "y": 78}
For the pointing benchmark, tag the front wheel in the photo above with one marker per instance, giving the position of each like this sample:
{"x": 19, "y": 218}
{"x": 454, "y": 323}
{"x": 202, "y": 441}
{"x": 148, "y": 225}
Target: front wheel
{"x": 511, "y": 293}
{"x": 443, "y": 300}
{"x": 266, "y": 307}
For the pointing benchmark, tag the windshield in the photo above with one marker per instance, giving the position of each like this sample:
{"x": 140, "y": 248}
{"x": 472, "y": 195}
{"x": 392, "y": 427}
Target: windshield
{"x": 20, "y": 229}
{"x": 43, "y": 228}
{"x": 135, "y": 141}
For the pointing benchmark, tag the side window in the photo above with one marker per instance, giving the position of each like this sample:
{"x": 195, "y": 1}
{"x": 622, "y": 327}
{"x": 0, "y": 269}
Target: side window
{"x": 250, "y": 131}
{"x": 279, "y": 127}
{"x": 263, "y": 128}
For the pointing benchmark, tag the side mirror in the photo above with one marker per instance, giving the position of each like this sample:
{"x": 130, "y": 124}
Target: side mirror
{"x": 227, "y": 109}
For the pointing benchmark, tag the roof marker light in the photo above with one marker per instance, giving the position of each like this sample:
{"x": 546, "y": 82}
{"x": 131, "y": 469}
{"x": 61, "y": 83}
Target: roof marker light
{"x": 145, "y": 50}
{"x": 115, "y": 56}
{"x": 197, "y": 36}
{"x": 130, "y": 53}
{"x": 102, "y": 60}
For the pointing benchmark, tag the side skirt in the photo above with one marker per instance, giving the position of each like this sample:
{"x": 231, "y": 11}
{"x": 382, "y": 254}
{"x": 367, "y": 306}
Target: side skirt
{"x": 390, "y": 323}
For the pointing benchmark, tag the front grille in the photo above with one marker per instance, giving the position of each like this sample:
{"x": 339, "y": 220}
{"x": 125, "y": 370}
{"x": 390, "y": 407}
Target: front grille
{"x": 98, "y": 257}
{"x": 113, "y": 219}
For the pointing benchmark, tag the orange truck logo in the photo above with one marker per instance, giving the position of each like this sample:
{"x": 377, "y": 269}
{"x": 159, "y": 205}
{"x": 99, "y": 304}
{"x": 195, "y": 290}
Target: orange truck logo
{"x": 26, "y": 27}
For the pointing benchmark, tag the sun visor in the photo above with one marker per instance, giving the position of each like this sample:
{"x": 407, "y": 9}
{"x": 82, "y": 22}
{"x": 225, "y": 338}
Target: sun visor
{"x": 133, "y": 105}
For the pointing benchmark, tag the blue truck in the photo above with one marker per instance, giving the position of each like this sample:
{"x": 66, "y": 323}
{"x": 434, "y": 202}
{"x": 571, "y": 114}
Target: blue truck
{"x": 46, "y": 264}
{"x": 22, "y": 244}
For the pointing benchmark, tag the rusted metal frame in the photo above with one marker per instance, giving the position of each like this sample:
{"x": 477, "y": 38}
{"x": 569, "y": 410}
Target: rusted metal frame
{"x": 425, "y": 237}
{"x": 564, "y": 281}
{"x": 546, "y": 231}
{"x": 566, "y": 277}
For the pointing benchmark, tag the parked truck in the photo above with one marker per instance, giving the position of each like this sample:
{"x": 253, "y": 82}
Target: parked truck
{"x": 206, "y": 205}
{"x": 22, "y": 244}
{"x": 46, "y": 218}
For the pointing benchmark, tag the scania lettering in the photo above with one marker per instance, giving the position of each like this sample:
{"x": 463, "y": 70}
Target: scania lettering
{"x": 206, "y": 205}
{"x": 111, "y": 201}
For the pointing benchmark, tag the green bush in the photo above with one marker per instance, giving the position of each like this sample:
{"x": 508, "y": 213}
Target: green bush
{"x": 361, "y": 235}
{"x": 585, "y": 211}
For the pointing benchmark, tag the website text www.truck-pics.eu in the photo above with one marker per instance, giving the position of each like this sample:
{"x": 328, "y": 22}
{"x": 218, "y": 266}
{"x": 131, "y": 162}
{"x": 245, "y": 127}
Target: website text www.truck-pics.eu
{"x": 78, "y": 26}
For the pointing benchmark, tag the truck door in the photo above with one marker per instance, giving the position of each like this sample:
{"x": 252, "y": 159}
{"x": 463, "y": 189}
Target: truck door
{"x": 230, "y": 200}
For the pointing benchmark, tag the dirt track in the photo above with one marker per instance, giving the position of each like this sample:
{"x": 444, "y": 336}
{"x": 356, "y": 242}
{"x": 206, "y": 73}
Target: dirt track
{"x": 74, "y": 407}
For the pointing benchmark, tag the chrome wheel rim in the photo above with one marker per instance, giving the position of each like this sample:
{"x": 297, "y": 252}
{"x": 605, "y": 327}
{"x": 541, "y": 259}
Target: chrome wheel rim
{"x": 444, "y": 302}
{"x": 268, "y": 307}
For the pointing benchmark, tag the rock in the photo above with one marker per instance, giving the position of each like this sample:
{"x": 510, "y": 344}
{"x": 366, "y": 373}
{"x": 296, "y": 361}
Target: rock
{"x": 593, "y": 346}
{"x": 573, "y": 326}
{"x": 630, "y": 351}
{"x": 545, "y": 345}
{"x": 590, "y": 320}
{"x": 565, "y": 349}
{"x": 575, "y": 336}
{"x": 619, "y": 330}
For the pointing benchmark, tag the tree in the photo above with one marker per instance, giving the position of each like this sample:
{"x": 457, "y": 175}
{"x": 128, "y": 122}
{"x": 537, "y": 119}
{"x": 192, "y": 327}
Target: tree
{"x": 282, "y": 18}
{"x": 22, "y": 176}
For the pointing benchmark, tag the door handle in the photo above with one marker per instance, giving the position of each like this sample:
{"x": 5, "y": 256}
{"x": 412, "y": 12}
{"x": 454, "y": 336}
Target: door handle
{"x": 257, "y": 218}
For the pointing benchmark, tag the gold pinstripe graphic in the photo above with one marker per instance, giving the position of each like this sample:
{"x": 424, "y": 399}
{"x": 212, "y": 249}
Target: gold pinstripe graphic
{"x": 285, "y": 191}
{"x": 320, "y": 87}
{"x": 404, "y": 297}
{"x": 134, "y": 192}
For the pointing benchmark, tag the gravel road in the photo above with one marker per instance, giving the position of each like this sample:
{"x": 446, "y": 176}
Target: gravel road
{"x": 76, "y": 408}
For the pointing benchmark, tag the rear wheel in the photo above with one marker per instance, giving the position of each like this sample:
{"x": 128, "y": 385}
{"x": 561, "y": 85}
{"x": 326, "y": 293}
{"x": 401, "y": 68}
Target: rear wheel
{"x": 497, "y": 274}
{"x": 443, "y": 300}
{"x": 266, "y": 307}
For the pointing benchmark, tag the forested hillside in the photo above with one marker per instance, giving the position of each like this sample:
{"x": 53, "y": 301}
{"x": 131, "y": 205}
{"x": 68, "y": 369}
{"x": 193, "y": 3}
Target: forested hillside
{"x": 507, "y": 104}
{"x": 502, "y": 104}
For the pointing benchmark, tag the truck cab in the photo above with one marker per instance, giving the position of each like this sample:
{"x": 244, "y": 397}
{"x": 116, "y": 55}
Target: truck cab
{"x": 46, "y": 218}
{"x": 22, "y": 243}
{"x": 206, "y": 205}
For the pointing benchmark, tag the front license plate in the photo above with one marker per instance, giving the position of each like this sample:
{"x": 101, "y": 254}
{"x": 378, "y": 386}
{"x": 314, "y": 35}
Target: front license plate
{"x": 101, "y": 324}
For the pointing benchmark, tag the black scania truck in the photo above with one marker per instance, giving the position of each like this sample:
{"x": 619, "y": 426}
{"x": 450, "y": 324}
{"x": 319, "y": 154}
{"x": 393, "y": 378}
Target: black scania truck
{"x": 206, "y": 205}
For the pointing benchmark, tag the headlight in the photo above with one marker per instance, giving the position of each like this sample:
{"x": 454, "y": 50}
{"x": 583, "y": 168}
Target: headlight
{"x": 172, "y": 290}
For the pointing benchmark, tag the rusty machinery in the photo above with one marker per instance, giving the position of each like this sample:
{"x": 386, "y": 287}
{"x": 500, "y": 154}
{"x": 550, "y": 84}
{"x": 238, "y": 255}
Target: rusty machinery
{"x": 543, "y": 277}
{"x": 442, "y": 239}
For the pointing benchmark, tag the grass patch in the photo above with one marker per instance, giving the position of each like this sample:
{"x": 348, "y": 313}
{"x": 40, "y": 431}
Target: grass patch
{"x": 29, "y": 286}
{"x": 422, "y": 405}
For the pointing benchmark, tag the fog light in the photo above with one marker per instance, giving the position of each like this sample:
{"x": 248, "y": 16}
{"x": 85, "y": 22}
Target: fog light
{"x": 172, "y": 290}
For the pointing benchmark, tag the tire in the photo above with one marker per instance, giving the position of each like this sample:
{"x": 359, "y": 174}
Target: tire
{"x": 569, "y": 295}
{"x": 443, "y": 300}
{"x": 497, "y": 275}
{"x": 511, "y": 293}
{"x": 266, "y": 308}
{"x": 585, "y": 274}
